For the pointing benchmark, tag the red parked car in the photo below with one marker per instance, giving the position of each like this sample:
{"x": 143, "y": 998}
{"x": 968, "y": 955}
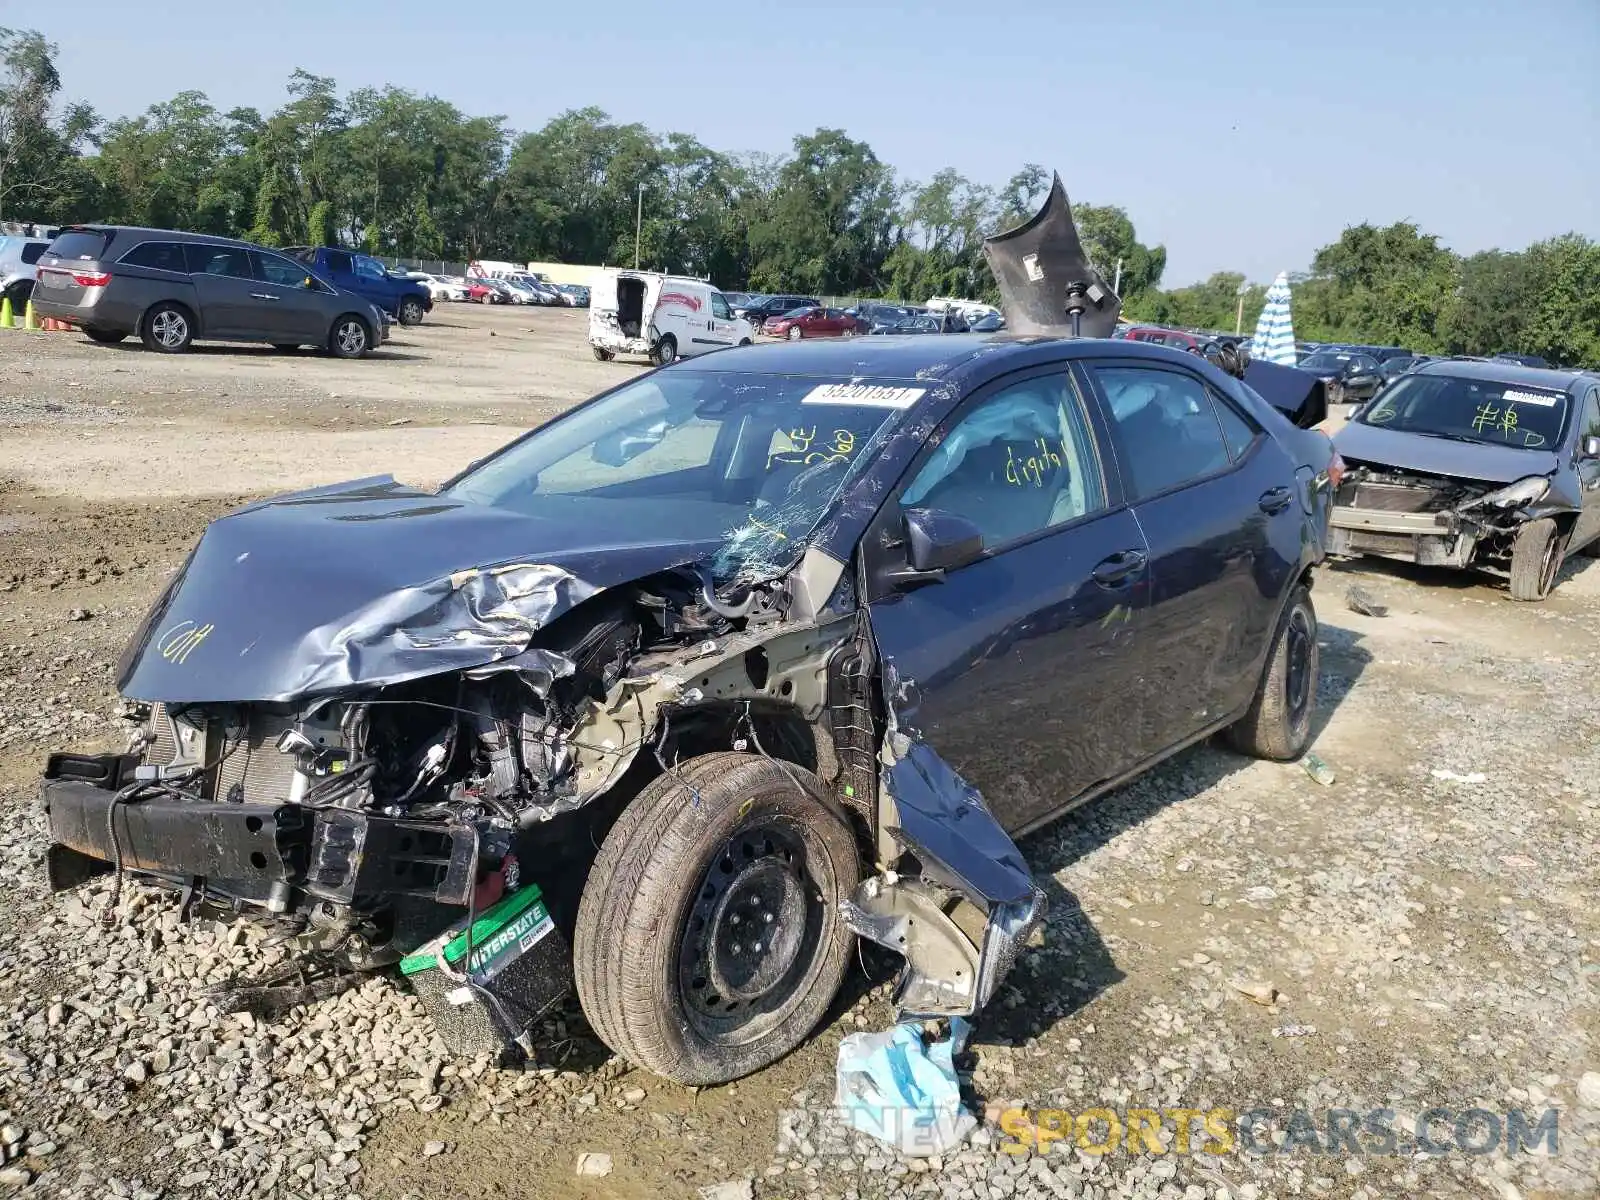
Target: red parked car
{"x": 1176, "y": 338}
{"x": 815, "y": 322}
{"x": 483, "y": 292}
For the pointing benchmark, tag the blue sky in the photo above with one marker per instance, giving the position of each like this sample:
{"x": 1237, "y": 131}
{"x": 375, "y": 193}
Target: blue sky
{"x": 1242, "y": 134}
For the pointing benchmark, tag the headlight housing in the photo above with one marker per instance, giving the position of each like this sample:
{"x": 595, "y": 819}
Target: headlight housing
{"x": 1524, "y": 491}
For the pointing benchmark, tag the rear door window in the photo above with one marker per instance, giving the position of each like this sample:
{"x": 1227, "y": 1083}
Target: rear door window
{"x": 230, "y": 261}
{"x": 1237, "y": 431}
{"x": 32, "y": 252}
{"x": 160, "y": 256}
{"x": 1166, "y": 425}
{"x": 340, "y": 260}
{"x": 80, "y": 245}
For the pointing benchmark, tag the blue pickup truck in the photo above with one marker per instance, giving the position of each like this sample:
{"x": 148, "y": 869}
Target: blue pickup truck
{"x": 406, "y": 300}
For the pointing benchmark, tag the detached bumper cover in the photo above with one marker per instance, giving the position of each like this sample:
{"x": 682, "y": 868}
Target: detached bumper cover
{"x": 97, "y": 817}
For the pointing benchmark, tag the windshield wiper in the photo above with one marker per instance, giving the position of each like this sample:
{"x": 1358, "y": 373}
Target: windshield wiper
{"x": 1447, "y": 437}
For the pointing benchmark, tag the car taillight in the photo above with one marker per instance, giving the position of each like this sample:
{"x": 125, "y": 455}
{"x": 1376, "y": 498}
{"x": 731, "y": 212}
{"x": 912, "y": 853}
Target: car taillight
{"x": 99, "y": 280}
{"x": 1335, "y": 471}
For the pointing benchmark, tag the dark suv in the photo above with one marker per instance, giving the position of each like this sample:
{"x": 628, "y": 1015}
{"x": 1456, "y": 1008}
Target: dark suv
{"x": 171, "y": 288}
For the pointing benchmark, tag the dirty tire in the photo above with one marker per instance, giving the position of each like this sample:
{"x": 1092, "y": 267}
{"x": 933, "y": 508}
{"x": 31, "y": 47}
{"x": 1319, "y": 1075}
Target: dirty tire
{"x": 1535, "y": 558}
{"x": 1278, "y": 724}
{"x": 666, "y": 351}
{"x": 105, "y": 337}
{"x": 167, "y": 328}
{"x": 713, "y": 824}
{"x": 601, "y": 353}
{"x": 746, "y": 342}
{"x": 411, "y": 311}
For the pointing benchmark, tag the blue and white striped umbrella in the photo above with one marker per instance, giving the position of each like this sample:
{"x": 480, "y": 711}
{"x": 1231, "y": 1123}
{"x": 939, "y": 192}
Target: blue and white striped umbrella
{"x": 1274, "y": 340}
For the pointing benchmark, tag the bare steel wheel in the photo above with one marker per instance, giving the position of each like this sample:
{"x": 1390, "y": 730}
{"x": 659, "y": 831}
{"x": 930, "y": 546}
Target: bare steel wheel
{"x": 710, "y": 938}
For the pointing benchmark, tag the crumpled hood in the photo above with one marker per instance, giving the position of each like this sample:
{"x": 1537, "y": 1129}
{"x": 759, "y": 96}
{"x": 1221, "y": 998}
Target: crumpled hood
{"x": 367, "y": 583}
{"x": 1441, "y": 456}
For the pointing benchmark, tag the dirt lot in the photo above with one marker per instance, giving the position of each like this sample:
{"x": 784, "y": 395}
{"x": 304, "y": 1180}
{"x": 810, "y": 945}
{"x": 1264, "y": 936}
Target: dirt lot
{"x": 1424, "y": 926}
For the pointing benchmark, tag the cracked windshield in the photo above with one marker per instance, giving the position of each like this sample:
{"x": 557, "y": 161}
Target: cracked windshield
{"x": 752, "y": 461}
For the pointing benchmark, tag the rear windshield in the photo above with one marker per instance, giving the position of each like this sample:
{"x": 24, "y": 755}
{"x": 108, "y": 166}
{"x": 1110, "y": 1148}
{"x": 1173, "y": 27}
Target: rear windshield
{"x": 82, "y": 245}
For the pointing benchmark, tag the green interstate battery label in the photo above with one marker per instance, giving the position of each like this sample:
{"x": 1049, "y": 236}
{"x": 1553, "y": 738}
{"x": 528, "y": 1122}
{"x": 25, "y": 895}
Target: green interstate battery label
{"x": 523, "y": 934}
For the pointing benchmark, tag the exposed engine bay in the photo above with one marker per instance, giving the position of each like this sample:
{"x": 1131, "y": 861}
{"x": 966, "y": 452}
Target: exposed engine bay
{"x": 365, "y": 821}
{"x": 1434, "y": 520}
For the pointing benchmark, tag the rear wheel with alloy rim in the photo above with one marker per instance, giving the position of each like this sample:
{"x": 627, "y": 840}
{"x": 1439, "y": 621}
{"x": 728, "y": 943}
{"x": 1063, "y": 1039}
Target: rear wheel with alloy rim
{"x": 666, "y": 351}
{"x": 411, "y": 312}
{"x": 168, "y": 329}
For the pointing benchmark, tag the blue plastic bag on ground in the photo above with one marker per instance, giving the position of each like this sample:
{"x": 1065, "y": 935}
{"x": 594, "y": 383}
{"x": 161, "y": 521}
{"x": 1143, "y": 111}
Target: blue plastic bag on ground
{"x": 896, "y": 1088}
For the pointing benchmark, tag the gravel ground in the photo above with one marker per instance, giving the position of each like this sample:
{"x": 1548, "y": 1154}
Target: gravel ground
{"x": 1418, "y": 934}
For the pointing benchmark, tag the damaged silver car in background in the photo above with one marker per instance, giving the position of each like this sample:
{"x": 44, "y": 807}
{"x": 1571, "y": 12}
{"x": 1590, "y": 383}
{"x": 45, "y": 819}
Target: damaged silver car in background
{"x": 1487, "y": 465}
{"x": 677, "y": 695}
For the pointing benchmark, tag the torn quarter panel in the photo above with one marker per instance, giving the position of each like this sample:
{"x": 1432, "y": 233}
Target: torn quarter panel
{"x": 368, "y": 583}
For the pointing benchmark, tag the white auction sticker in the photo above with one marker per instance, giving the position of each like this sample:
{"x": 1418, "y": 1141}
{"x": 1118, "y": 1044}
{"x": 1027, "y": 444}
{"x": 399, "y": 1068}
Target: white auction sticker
{"x": 864, "y": 395}
{"x": 1511, "y": 396}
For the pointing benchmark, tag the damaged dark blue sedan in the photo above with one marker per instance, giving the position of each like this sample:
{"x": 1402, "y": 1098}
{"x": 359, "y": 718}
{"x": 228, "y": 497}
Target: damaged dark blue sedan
{"x": 674, "y": 697}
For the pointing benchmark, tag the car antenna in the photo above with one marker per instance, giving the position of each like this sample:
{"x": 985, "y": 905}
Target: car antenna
{"x": 1047, "y": 283}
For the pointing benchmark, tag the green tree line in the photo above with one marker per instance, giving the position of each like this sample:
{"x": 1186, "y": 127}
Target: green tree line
{"x": 412, "y": 176}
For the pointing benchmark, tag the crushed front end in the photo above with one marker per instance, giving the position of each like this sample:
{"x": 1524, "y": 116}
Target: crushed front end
{"x": 1432, "y": 520}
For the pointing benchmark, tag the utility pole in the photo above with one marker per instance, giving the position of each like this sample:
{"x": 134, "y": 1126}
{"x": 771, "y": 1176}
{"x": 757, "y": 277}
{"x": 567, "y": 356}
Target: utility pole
{"x": 1238, "y": 316}
{"x": 638, "y": 226}
{"x": 1117, "y": 286}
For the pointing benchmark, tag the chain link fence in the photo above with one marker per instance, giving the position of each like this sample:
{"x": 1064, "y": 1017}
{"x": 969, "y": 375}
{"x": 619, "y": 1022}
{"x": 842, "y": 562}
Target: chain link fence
{"x": 433, "y": 266}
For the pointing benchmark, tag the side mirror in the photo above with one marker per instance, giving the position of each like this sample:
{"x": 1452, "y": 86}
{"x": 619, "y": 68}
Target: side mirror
{"x": 1590, "y": 446}
{"x": 936, "y": 542}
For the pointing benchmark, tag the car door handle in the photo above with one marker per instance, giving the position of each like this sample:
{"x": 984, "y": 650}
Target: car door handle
{"x": 1275, "y": 500}
{"x": 1119, "y": 567}
{"x": 262, "y": 296}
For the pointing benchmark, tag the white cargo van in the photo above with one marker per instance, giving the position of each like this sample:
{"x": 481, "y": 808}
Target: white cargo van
{"x": 660, "y": 316}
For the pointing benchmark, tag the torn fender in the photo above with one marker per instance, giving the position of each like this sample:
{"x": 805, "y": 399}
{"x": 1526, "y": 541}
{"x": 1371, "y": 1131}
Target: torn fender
{"x": 963, "y": 918}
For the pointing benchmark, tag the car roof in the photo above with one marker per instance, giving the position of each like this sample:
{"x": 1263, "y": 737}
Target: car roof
{"x": 967, "y": 358}
{"x": 165, "y": 234}
{"x": 1505, "y": 371}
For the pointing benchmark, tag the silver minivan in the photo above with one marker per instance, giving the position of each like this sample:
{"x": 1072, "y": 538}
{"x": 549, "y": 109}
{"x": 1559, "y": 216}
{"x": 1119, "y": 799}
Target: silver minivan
{"x": 172, "y": 288}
